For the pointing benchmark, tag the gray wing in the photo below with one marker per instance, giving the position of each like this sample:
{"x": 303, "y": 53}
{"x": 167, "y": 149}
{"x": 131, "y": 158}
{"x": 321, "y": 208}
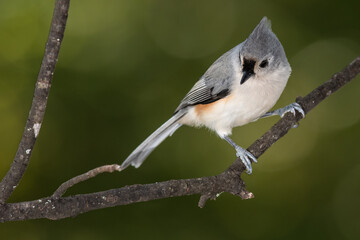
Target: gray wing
{"x": 214, "y": 85}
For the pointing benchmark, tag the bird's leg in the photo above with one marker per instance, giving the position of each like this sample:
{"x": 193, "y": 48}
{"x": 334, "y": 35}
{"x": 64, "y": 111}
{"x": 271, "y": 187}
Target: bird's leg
{"x": 282, "y": 111}
{"x": 244, "y": 155}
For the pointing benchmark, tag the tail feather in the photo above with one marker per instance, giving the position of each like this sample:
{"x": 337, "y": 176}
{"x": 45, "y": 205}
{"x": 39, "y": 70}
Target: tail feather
{"x": 138, "y": 156}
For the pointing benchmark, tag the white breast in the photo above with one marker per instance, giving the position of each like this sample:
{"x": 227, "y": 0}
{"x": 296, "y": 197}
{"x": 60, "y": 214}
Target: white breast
{"x": 245, "y": 103}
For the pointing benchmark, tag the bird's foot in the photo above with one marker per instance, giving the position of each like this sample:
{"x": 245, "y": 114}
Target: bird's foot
{"x": 290, "y": 108}
{"x": 246, "y": 158}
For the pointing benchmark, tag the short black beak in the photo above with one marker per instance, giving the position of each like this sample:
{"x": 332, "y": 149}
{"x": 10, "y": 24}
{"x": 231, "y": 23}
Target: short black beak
{"x": 247, "y": 69}
{"x": 246, "y": 75}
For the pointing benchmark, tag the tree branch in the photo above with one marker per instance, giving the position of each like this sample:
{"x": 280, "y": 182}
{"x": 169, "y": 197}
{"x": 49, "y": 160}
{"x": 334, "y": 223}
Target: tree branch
{"x": 83, "y": 177}
{"x": 37, "y": 111}
{"x": 207, "y": 187}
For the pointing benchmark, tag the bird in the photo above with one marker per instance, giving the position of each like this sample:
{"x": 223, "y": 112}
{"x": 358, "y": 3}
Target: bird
{"x": 240, "y": 87}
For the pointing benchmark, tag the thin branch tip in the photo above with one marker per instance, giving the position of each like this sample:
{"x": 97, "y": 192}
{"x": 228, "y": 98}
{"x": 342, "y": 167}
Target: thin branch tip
{"x": 205, "y": 197}
{"x": 83, "y": 177}
{"x": 246, "y": 195}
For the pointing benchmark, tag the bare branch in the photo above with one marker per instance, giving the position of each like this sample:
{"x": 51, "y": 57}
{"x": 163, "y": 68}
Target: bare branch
{"x": 208, "y": 187}
{"x": 83, "y": 177}
{"x": 37, "y": 111}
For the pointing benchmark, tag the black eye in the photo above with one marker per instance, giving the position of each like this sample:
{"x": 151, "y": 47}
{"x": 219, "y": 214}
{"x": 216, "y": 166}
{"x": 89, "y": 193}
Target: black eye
{"x": 264, "y": 63}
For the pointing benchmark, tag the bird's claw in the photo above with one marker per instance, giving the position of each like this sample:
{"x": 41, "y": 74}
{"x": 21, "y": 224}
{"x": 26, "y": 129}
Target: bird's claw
{"x": 246, "y": 158}
{"x": 291, "y": 108}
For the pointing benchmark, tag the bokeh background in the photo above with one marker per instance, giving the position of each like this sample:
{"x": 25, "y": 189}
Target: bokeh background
{"x": 123, "y": 68}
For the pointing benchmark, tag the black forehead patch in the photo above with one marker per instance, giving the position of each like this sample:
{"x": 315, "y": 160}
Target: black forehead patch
{"x": 248, "y": 65}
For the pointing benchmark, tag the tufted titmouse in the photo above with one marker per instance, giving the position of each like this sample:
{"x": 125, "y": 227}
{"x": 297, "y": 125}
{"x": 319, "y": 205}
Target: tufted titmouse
{"x": 238, "y": 88}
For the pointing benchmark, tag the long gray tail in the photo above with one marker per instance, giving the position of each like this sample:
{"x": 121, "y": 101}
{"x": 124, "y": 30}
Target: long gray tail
{"x": 138, "y": 156}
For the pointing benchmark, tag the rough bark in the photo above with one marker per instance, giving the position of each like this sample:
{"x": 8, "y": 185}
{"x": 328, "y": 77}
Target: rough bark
{"x": 39, "y": 102}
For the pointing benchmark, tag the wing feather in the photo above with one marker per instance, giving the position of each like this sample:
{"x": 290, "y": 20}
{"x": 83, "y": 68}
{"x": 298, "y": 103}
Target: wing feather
{"x": 215, "y": 84}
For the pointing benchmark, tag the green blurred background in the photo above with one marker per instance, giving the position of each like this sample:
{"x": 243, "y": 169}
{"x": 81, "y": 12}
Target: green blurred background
{"x": 123, "y": 68}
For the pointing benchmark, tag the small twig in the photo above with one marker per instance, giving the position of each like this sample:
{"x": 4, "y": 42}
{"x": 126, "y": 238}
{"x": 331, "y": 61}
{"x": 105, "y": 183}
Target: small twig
{"x": 203, "y": 199}
{"x": 83, "y": 177}
{"x": 37, "y": 111}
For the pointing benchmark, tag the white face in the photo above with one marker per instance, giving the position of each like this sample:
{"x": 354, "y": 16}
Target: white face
{"x": 264, "y": 66}
{"x": 260, "y": 66}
